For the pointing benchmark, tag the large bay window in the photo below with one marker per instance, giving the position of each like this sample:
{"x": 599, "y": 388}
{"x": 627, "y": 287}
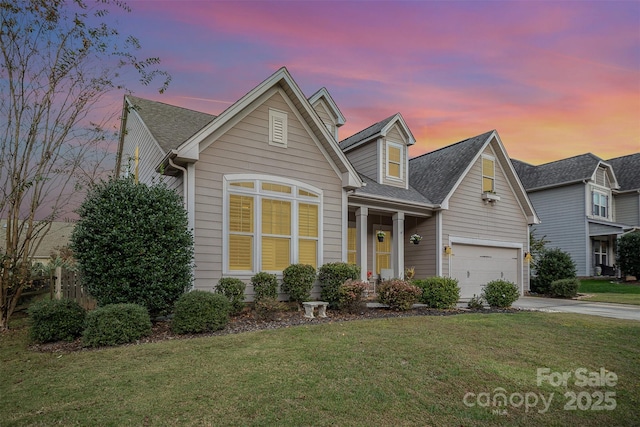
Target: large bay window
{"x": 271, "y": 223}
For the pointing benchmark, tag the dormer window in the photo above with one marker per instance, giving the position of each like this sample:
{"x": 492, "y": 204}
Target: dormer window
{"x": 488, "y": 174}
{"x": 394, "y": 160}
{"x": 600, "y": 205}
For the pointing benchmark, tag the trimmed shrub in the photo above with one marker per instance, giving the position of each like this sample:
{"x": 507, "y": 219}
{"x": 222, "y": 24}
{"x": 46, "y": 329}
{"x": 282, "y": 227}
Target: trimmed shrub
{"x": 265, "y": 285}
{"x": 553, "y": 264}
{"x": 200, "y": 311}
{"x": 398, "y": 294}
{"x": 267, "y": 308}
{"x": 116, "y": 324}
{"x": 331, "y": 276}
{"x": 133, "y": 245}
{"x": 350, "y": 296}
{"x": 233, "y": 289}
{"x": 500, "y": 293}
{"x": 628, "y": 253}
{"x": 438, "y": 292}
{"x": 476, "y": 302}
{"x": 297, "y": 281}
{"x": 56, "y": 320}
{"x": 564, "y": 288}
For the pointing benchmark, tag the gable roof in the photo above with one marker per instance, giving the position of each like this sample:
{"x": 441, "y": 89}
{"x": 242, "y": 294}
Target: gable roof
{"x": 560, "y": 172}
{"x": 435, "y": 174}
{"x": 170, "y": 125}
{"x": 627, "y": 170}
{"x": 377, "y": 130}
{"x": 323, "y": 93}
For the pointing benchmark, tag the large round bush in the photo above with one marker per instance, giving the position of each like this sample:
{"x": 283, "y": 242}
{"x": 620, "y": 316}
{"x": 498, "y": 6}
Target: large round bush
{"x": 629, "y": 254}
{"x": 133, "y": 245}
{"x": 116, "y": 324}
{"x": 552, "y": 265}
{"x": 297, "y": 281}
{"x": 500, "y": 293}
{"x": 439, "y": 292}
{"x": 331, "y": 276}
{"x": 265, "y": 286}
{"x": 200, "y": 311}
{"x": 56, "y": 320}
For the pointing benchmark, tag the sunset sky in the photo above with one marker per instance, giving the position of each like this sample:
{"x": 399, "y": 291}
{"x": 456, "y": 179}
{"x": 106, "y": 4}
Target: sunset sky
{"x": 555, "y": 78}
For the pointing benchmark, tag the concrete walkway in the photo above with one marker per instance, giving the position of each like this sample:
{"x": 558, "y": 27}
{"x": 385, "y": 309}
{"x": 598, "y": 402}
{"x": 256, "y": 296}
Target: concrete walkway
{"x": 605, "y": 309}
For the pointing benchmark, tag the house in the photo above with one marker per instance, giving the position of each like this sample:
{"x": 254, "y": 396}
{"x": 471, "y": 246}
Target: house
{"x": 42, "y": 249}
{"x": 583, "y": 207}
{"x": 267, "y": 184}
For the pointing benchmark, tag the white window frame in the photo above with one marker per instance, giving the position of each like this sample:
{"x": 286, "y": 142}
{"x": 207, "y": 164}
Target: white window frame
{"x": 599, "y": 253}
{"x": 277, "y": 119}
{"x": 600, "y": 193}
{"x": 258, "y": 195}
{"x": 493, "y": 178}
{"x": 401, "y": 162}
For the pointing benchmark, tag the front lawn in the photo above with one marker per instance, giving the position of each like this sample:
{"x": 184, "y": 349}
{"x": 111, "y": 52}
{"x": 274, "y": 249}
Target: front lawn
{"x": 604, "y": 290}
{"x": 386, "y": 372}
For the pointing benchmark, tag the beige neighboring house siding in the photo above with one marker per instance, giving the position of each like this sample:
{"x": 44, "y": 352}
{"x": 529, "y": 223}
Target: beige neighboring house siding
{"x": 394, "y": 136}
{"x": 245, "y": 149}
{"x": 422, "y": 256}
{"x": 150, "y": 154}
{"x": 469, "y": 217}
{"x": 59, "y": 235}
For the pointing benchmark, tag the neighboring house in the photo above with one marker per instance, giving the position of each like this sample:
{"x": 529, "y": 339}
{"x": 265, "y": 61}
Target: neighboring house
{"x": 58, "y": 236}
{"x": 582, "y": 206}
{"x": 266, "y": 184}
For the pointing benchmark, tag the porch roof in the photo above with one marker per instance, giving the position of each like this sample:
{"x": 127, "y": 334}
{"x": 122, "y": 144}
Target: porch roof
{"x": 372, "y": 188}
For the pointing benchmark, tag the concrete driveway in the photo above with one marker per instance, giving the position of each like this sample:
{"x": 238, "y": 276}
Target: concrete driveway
{"x": 605, "y": 309}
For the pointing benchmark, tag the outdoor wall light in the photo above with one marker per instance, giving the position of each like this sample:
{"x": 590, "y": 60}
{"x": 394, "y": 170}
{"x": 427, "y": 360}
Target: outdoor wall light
{"x": 447, "y": 250}
{"x": 527, "y": 256}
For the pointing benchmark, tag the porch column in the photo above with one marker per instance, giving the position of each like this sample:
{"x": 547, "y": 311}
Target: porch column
{"x": 398, "y": 244}
{"x": 361, "y": 241}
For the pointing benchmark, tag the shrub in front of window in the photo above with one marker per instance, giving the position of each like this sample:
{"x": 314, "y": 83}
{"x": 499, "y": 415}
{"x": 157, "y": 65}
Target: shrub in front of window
{"x": 133, "y": 245}
{"x": 564, "y": 288}
{"x": 297, "y": 281}
{"x": 200, "y": 311}
{"x": 116, "y": 324}
{"x": 500, "y": 293}
{"x": 56, "y": 320}
{"x": 265, "y": 285}
{"x": 331, "y": 276}
{"x": 398, "y": 294}
{"x": 552, "y": 264}
{"x": 233, "y": 289}
{"x": 439, "y": 292}
{"x": 350, "y": 296}
{"x": 628, "y": 254}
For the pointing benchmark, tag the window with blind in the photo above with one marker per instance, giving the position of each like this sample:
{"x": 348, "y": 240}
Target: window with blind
{"x": 271, "y": 225}
{"x": 351, "y": 245}
{"x": 488, "y": 175}
{"x": 394, "y": 160}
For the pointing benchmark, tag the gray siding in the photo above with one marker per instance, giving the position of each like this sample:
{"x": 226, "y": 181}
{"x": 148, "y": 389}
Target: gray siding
{"x": 365, "y": 159}
{"x": 423, "y": 255}
{"x": 149, "y": 151}
{"x": 562, "y": 215}
{"x": 627, "y": 209}
{"x": 245, "y": 149}
{"x": 470, "y": 217}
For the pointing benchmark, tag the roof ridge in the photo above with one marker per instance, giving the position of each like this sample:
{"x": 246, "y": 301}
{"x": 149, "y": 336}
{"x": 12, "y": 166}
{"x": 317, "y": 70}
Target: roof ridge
{"x": 369, "y": 127}
{"x": 170, "y": 105}
{"x": 452, "y": 145}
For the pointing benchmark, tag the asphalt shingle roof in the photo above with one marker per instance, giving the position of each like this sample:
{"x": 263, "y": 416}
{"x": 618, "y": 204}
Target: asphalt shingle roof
{"x": 627, "y": 171}
{"x": 560, "y": 172}
{"x": 390, "y": 192}
{"x": 434, "y": 174}
{"x": 365, "y": 133}
{"x": 169, "y": 125}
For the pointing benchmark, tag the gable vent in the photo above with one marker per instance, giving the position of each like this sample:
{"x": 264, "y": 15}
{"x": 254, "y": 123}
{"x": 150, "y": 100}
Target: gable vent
{"x": 277, "y": 128}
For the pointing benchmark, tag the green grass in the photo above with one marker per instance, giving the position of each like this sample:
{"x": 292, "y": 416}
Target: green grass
{"x": 606, "y": 291}
{"x": 387, "y": 372}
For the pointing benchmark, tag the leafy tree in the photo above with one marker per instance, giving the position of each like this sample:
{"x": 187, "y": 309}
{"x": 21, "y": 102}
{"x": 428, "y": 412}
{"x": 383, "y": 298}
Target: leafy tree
{"x": 58, "y": 60}
{"x": 133, "y": 245}
{"x": 629, "y": 254}
{"x": 553, "y": 264}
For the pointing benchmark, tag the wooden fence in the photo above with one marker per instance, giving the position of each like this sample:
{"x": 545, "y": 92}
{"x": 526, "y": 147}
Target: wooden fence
{"x": 68, "y": 286}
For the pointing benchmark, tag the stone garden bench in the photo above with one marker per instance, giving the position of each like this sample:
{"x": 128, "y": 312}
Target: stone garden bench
{"x": 310, "y": 305}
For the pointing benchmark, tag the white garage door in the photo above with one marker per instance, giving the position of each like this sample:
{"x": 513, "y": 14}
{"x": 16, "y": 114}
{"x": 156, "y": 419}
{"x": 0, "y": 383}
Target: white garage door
{"x": 475, "y": 266}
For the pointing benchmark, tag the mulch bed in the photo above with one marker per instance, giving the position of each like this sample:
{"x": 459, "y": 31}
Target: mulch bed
{"x": 247, "y": 322}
